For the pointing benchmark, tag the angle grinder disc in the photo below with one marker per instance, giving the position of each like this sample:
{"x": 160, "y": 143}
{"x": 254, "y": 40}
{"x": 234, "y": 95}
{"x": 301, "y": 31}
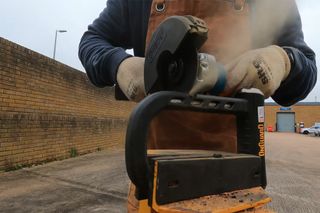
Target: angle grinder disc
{"x": 171, "y": 58}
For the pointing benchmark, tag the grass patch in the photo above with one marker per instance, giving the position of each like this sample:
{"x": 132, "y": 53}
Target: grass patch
{"x": 15, "y": 167}
{"x": 73, "y": 152}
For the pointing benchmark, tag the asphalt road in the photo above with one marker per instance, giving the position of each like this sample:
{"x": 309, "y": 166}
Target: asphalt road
{"x": 98, "y": 182}
{"x": 293, "y": 168}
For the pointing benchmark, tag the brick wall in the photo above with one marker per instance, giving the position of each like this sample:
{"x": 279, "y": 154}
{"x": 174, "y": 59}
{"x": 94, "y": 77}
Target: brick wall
{"x": 309, "y": 114}
{"x": 48, "y": 109}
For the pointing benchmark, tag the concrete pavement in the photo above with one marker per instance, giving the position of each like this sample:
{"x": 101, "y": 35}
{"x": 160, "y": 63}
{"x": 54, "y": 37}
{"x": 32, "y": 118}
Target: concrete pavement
{"x": 98, "y": 182}
{"x": 93, "y": 183}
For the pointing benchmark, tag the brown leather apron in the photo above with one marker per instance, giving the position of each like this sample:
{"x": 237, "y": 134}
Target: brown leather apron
{"x": 227, "y": 20}
{"x": 229, "y": 36}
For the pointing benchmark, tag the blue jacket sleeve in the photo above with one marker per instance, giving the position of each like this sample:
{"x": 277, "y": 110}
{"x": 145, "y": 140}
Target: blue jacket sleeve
{"x": 102, "y": 47}
{"x": 303, "y": 74}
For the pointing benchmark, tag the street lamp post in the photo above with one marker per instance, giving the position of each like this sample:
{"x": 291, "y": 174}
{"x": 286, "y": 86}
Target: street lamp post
{"x": 55, "y": 42}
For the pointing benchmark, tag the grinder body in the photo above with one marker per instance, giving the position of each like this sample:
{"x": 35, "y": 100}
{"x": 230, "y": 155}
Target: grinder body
{"x": 173, "y": 61}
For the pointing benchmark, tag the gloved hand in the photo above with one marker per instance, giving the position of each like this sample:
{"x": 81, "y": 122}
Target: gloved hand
{"x": 211, "y": 76}
{"x": 263, "y": 69}
{"x": 130, "y": 78}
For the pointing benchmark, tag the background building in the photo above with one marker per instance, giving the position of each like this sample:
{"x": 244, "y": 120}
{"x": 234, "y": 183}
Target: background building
{"x": 284, "y": 119}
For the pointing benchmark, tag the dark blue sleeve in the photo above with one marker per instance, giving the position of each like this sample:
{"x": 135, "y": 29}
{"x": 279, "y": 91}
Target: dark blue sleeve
{"x": 303, "y": 74}
{"x": 102, "y": 47}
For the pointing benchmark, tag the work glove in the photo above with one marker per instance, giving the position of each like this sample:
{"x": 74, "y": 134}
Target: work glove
{"x": 130, "y": 78}
{"x": 211, "y": 76}
{"x": 263, "y": 69}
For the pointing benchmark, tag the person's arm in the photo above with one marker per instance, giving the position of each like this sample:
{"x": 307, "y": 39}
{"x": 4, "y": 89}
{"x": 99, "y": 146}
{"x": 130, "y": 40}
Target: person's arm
{"x": 102, "y": 47}
{"x": 303, "y": 74}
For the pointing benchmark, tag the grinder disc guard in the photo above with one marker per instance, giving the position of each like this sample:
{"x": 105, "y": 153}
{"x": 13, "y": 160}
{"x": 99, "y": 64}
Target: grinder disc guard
{"x": 172, "y": 55}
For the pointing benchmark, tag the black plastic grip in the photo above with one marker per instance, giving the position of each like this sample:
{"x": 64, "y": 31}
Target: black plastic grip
{"x": 136, "y": 138}
{"x": 250, "y": 127}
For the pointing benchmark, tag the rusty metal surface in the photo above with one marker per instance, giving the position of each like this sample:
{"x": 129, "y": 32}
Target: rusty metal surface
{"x": 227, "y": 202}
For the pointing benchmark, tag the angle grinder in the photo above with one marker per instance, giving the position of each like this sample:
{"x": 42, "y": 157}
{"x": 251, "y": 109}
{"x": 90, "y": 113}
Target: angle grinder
{"x": 173, "y": 61}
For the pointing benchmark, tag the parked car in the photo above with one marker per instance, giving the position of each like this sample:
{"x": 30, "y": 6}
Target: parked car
{"x": 311, "y": 130}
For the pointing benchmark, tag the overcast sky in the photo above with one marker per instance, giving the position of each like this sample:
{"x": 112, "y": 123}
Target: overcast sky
{"x": 33, "y": 23}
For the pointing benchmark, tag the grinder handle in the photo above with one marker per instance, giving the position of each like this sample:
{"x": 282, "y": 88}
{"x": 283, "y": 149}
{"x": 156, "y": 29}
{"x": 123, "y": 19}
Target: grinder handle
{"x": 137, "y": 164}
